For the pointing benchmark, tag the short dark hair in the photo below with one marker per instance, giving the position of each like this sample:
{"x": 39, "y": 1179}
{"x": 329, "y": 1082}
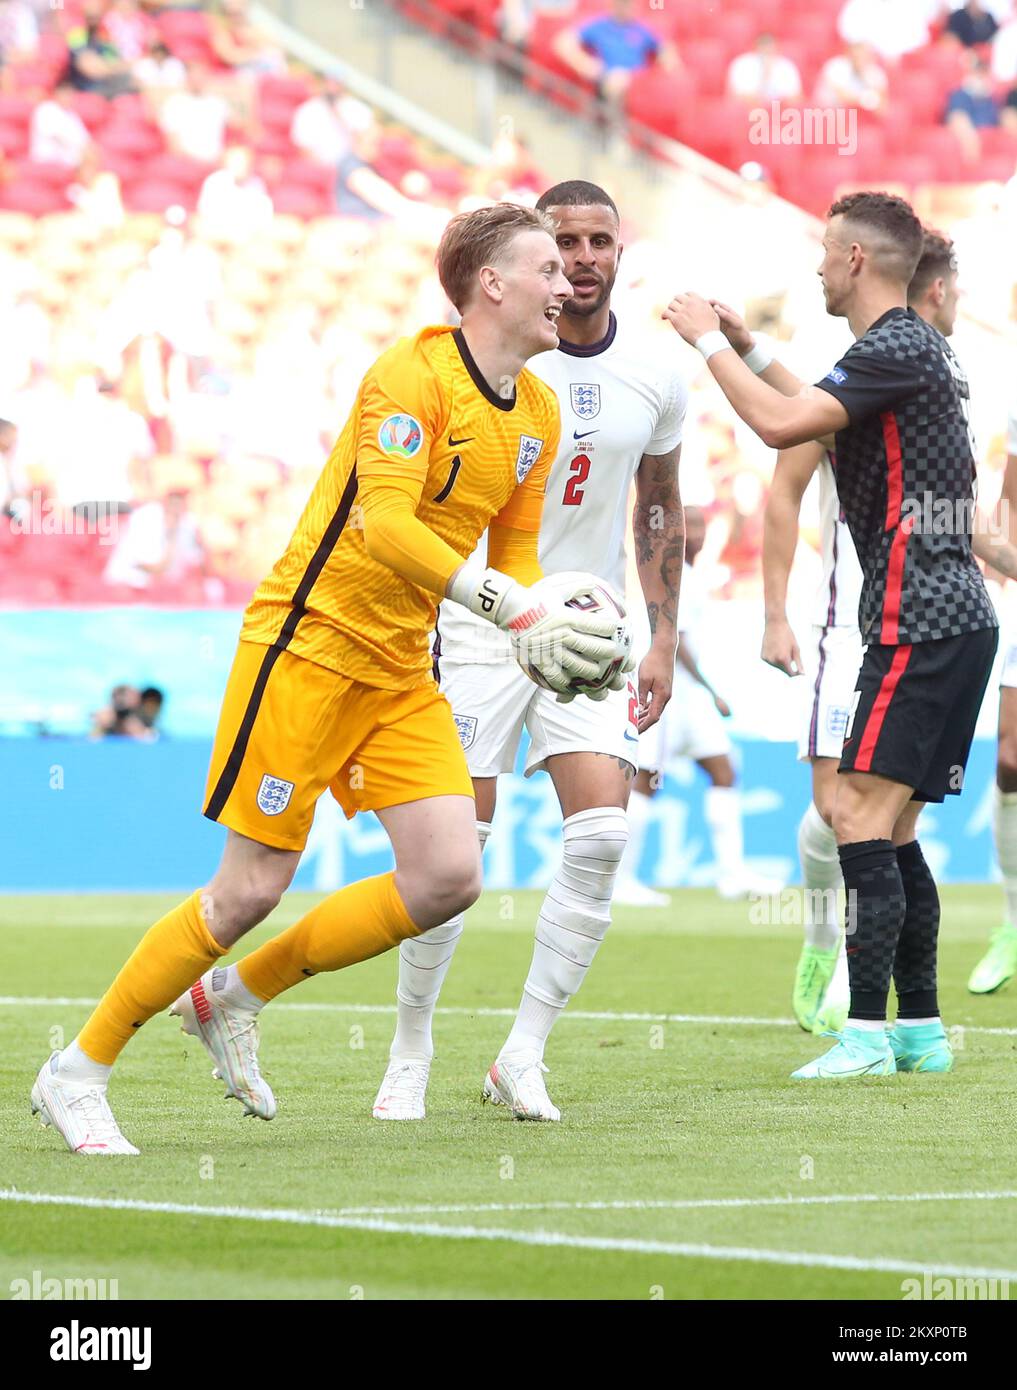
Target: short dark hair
{"x": 894, "y": 224}
{"x": 152, "y": 692}
{"x": 938, "y": 259}
{"x": 576, "y": 193}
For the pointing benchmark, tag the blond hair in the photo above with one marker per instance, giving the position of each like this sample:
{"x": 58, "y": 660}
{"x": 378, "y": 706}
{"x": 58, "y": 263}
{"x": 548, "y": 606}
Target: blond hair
{"x": 475, "y": 239}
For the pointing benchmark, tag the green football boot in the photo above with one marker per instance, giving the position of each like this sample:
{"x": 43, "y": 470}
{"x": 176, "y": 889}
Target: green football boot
{"x": 859, "y": 1052}
{"x": 998, "y": 964}
{"x": 925, "y": 1048}
{"x": 831, "y": 1018}
{"x": 812, "y": 975}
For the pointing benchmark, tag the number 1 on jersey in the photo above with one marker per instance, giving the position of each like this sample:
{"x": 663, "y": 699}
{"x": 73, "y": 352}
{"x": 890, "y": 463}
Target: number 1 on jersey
{"x": 579, "y": 471}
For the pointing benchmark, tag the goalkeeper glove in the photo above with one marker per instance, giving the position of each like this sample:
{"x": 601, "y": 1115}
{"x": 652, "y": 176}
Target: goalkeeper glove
{"x": 562, "y": 643}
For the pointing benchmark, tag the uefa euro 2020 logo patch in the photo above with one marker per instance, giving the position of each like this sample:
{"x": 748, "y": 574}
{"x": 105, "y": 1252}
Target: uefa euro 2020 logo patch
{"x": 529, "y": 452}
{"x": 400, "y": 436}
{"x": 585, "y": 399}
{"x": 274, "y": 795}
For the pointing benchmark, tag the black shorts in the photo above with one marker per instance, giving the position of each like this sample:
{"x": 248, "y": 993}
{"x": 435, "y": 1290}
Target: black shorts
{"x": 915, "y": 711}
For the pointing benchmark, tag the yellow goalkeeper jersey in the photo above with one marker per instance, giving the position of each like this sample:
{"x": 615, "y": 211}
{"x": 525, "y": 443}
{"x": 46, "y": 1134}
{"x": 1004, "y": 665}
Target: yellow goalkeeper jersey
{"x": 423, "y": 414}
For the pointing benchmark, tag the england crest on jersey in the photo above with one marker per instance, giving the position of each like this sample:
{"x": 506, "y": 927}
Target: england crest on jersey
{"x": 529, "y": 452}
{"x": 585, "y": 399}
{"x": 274, "y": 795}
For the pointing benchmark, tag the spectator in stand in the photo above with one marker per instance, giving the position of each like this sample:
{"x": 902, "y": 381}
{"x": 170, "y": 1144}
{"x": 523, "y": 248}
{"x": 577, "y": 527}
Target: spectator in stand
{"x": 158, "y": 72}
{"x": 13, "y": 484}
{"x": 765, "y": 74}
{"x": 892, "y": 27}
{"x": 324, "y": 125}
{"x": 121, "y": 718}
{"x": 95, "y": 64}
{"x": 131, "y": 28}
{"x": 972, "y": 25}
{"x": 1004, "y": 53}
{"x": 853, "y": 78}
{"x": 516, "y": 18}
{"x": 237, "y": 41}
{"x": 57, "y": 134}
{"x": 609, "y": 49}
{"x": 234, "y": 196}
{"x": 972, "y": 107}
{"x": 160, "y": 542}
{"x": 194, "y": 121}
{"x": 101, "y": 446}
{"x": 96, "y": 193}
{"x": 19, "y": 32}
{"x": 150, "y": 708}
{"x": 1008, "y": 111}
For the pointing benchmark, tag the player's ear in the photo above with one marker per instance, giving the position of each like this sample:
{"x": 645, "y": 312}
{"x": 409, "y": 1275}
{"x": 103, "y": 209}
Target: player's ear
{"x": 491, "y": 283}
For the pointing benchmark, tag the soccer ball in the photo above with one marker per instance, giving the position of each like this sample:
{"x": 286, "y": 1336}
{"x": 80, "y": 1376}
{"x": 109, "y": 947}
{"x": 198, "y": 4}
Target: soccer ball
{"x": 589, "y": 594}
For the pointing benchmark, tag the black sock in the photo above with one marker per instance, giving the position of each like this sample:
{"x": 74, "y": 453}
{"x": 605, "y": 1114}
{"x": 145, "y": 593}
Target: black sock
{"x": 875, "y": 913}
{"x": 914, "y": 970}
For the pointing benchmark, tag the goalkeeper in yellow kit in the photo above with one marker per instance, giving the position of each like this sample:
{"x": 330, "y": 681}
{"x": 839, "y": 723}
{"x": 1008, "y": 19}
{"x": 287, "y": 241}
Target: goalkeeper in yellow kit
{"x": 331, "y": 685}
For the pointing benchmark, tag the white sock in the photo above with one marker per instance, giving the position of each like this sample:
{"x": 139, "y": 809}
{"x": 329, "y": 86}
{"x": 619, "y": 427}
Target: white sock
{"x": 838, "y": 991}
{"x": 574, "y": 918}
{"x": 76, "y": 1065}
{"x": 639, "y": 814}
{"x": 868, "y": 1025}
{"x": 231, "y": 990}
{"x": 423, "y": 964}
{"x": 821, "y": 876}
{"x": 1004, "y": 825}
{"x": 722, "y": 807}
{"x": 916, "y": 1022}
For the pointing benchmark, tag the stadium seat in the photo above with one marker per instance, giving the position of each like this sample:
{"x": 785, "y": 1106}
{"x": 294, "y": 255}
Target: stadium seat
{"x": 16, "y": 110}
{"x": 93, "y": 109}
{"x": 709, "y": 59}
{"x": 13, "y": 141}
{"x": 135, "y": 140}
{"x": 156, "y": 195}
{"x": 662, "y": 100}
{"x": 35, "y": 198}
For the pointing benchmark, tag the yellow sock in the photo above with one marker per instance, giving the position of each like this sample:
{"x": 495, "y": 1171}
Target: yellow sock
{"x": 352, "y": 925}
{"x": 166, "y": 961}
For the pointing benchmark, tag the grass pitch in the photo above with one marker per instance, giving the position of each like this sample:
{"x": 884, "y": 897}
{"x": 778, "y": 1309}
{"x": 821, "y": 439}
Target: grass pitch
{"x": 687, "y": 1164}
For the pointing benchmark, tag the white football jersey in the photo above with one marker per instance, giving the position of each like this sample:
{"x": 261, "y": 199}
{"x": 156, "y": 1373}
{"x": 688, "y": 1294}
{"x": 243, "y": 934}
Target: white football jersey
{"x": 838, "y": 594}
{"x": 619, "y": 399}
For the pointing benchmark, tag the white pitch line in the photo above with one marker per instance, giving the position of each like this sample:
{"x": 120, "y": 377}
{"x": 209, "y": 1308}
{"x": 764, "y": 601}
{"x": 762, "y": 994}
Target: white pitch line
{"x": 560, "y": 1239}
{"x": 678, "y": 1204}
{"x": 589, "y": 1015}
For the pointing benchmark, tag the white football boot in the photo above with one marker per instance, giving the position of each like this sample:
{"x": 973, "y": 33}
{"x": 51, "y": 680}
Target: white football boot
{"x": 631, "y": 892}
{"x": 402, "y": 1090}
{"x": 230, "y": 1037}
{"x": 78, "y": 1111}
{"x": 518, "y": 1082}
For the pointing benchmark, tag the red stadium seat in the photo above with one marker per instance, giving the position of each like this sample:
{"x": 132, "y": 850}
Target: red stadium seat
{"x": 540, "y": 49}
{"x": 13, "y": 141}
{"x": 709, "y": 59}
{"x": 662, "y": 100}
{"x": 93, "y": 109}
{"x": 300, "y": 200}
{"x": 305, "y": 173}
{"x": 53, "y": 175}
{"x": 16, "y": 110}
{"x": 282, "y": 90}
{"x": 721, "y": 126}
{"x": 156, "y": 195}
{"x": 942, "y": 147}
{"x": 134, "y": 140}
{"x": 176, "y": 168}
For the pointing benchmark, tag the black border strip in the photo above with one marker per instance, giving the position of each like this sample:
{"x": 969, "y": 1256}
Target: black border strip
{"x": 479, "y": 380}
{"x": 231, "y": 770}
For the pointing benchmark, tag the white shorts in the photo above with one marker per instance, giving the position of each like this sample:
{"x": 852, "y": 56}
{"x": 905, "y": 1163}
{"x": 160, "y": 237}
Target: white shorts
{"x": 1008, "y": 670}
{"x": 690, "y": 727}
{"x": 832, "y": 660}
{"x": 492, "y": 704}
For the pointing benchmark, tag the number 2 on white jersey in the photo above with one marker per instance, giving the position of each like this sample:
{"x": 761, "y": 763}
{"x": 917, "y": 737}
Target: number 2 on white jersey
{"x": 579, "y": 471}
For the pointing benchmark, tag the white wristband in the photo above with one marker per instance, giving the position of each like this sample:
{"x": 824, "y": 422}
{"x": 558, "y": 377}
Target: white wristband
{"x": 709, "y": 343}
{"x": 758, "y": 358}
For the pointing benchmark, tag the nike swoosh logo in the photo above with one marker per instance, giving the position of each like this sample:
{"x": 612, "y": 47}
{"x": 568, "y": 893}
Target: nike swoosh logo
{"x": 454, "y": 443}
{"x": 632, "y": 738}
{"x": 577, "y": 435}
